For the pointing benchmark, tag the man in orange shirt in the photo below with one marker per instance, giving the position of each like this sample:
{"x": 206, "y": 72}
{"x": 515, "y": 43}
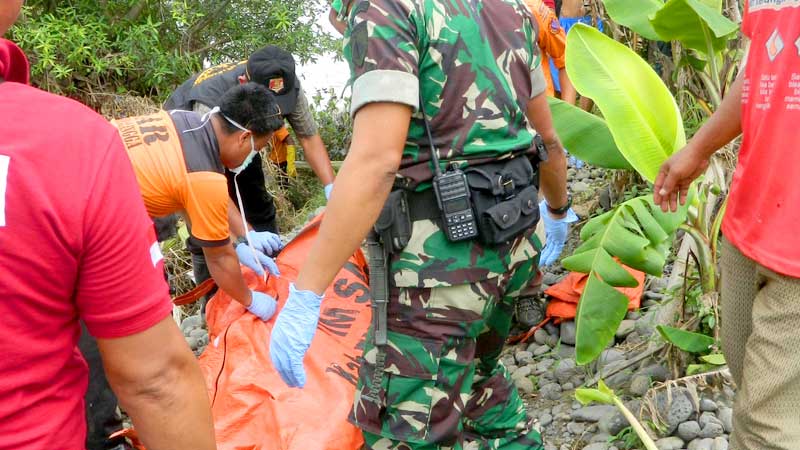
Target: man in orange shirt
{"x": 552, "y": 41}
{"x": 180, "y": 158}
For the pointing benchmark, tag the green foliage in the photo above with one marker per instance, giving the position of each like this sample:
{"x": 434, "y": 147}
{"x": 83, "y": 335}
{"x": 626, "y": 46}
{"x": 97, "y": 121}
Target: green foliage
{"x": 586, "y": 136}
{"x": 639, "y": 234}
{"x": 697, "y": 24}
{"x": 687, "y": 341}
{"x": 635, "y": 14}
{"x": 335, "y": 124}
{"x": 629, "y": 439}
{"x": 603, "y": 394}
{"x": 149, "y": 47}
{"x": 638, "y": 108}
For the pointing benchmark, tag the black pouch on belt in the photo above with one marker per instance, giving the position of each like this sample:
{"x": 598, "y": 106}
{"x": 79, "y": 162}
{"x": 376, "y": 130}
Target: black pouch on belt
{"x": 504, "y": 198}
{"x": 394, "y": 223}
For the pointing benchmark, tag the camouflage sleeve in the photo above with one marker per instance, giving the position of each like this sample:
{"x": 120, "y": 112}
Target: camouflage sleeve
{"x": 381, "y": 47}
{"x": 301, "y": 119}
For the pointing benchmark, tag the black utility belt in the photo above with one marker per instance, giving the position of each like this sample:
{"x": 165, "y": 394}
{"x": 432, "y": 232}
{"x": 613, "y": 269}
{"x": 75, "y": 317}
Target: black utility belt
{"x": 499, "y": 204}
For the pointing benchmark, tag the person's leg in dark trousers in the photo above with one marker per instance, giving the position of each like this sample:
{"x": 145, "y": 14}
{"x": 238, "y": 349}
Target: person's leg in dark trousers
{"x": 102, "y": 417}
{"x": 259, "y": 208}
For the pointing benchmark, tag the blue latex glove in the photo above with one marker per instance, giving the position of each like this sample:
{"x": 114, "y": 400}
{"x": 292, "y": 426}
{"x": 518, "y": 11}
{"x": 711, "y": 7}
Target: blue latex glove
{"x": 555, "y": 234}
{"x": 256, "y": 260}
{"x": 576, "y": 163}
{"x": 266, "y": 242}
{"x": 328, "y": 189}
{"x": 292, "y": 335}
{"x": 263, "y": 306}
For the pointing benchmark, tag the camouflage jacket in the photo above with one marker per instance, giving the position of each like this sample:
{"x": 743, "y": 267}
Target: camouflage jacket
{"x": 475, "y": 65}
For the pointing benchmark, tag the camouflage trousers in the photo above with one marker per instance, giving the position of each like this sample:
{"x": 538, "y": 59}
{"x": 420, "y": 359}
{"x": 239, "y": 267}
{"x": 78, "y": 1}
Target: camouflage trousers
{"x": 443, "y": 386}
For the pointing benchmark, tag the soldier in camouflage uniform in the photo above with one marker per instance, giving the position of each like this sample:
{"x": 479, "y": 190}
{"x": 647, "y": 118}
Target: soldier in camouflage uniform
{"x": 477, "y": 69}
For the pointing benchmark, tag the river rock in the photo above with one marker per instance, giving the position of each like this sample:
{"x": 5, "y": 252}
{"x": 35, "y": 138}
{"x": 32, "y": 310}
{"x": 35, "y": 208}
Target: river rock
{"x": 633, "y": 315}
{"x": 640, "y": 384}
{"x": 596, "y": 446}
{"x": 576, "y": 428}
{"x": 524, "y": 384}
{"x": 680, "y": 409}
{"x": 701, "y": 444}
{"x": 720, "y": 443}
{"x": 551, "y": 391}
{"x": 191, "y": 322}
{"x": 543, "y": 366}
{"x": 608, "y": 357}
{"x": 523, "y": 357}
{"x": 712, "y": 430}
{"x": 616, "y": 422}
{"x": 625, "y": 328}
{"x": 669, "y": 443}
{"x": 568, "y": 332}
{"x": 566, "y": 351}
{"x": 543, "y": 349}
{"x": 523, "y": 371}
{"x": 540, "y": 336}
{"x": 580, "y": 186}
{"x": 592, "y": 413}
{"x": 565, "y": 369}
{"x": 198, "y": 333}
{"x": 708, "y": 417}
{"x": 620, "y": 379}
{"x": 725, "y": 416}
{"x": 689, "y": 430}
{"x": 545, "y": 420}
{"x": 656, "y": 372}
{"x": 708, "y": 405}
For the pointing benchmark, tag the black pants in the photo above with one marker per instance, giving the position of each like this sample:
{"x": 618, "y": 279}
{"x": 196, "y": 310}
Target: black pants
{"x": 259, "y": 210}
{"x": 102, "y": 417}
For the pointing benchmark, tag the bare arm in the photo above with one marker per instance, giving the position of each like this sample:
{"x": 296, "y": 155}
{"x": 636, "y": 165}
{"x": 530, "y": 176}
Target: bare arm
{"x": 568, "y": 92}
{"x": 553, "y": 172}
{"x": 223, "y": 264}
{"x": 235, "y": 221}
{"x": 363, "y": 184}
{"x": 159, "y": 384}
{"x": 317, "y": 157}
{"x": 682, "y": 168}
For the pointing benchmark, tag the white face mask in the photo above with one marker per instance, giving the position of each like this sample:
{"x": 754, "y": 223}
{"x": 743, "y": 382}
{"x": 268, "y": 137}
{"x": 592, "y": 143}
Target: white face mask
{"x": 253, "y": 152}
{"x": 249, "y": 159}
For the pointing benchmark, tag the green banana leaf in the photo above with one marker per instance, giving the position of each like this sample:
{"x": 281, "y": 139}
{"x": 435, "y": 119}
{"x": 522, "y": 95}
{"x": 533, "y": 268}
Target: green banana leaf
{"x": 639, "y": 234}
{"x": 694, "y": 23}
{"x": 603, "y": 394}
{"x": 717, "y": 359}
{"x": 638, "y": 108}
{"x": 586, "y": 136}
{"x": 635, "y": 14}
{"x": 686, "y": 340}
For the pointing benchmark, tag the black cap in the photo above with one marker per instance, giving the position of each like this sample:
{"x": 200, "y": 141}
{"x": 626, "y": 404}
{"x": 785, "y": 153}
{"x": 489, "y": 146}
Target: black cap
{"x": 274, "y": 68}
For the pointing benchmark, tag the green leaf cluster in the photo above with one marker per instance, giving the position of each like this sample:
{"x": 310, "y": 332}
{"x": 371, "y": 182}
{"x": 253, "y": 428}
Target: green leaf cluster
{"x": 149, "y": 47}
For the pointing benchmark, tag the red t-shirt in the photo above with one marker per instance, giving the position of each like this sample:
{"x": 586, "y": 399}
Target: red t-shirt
{"x": 75, "y": 243}
{"x": 764, "y": 206}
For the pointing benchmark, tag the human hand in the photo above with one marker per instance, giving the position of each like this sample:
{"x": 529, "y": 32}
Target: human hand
{"x": 256, "y": 260}
{"x": 292, "y": 334}
{"x": 555, "y": 232}
{"x": 266, "y": 242}
{"x": 262, "y": 305}
{"x": 328, "y": 189}
{"x": 676, "y": 175}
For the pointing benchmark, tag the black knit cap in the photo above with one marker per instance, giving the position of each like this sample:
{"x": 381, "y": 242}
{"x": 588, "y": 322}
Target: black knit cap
{"x": 274, "y": 68}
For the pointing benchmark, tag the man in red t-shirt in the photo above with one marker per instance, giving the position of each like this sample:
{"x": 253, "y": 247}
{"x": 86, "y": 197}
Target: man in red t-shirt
{"x": 761, "y": 248}
{"x": 77, "y": 245}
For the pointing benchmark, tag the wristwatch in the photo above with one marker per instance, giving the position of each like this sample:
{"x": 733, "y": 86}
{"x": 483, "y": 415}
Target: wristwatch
{"x": 563, "y": 209}
{"x": 240, "y": 240}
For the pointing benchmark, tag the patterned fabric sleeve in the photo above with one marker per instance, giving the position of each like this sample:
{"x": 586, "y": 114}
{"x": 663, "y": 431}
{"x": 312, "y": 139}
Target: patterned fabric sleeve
{"x": 381, "y": 46}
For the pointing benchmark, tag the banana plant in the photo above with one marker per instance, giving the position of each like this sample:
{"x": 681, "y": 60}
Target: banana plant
{"x": 698, "y": 25}
{"x": 646, "y": 125}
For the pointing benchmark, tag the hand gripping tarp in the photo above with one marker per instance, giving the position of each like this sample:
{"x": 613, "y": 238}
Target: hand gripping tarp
{"x": 252, "y": 407}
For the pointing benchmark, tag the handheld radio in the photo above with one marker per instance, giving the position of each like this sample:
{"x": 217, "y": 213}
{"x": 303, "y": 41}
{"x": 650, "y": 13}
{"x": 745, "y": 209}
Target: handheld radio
{"x": 452, "y": 195}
